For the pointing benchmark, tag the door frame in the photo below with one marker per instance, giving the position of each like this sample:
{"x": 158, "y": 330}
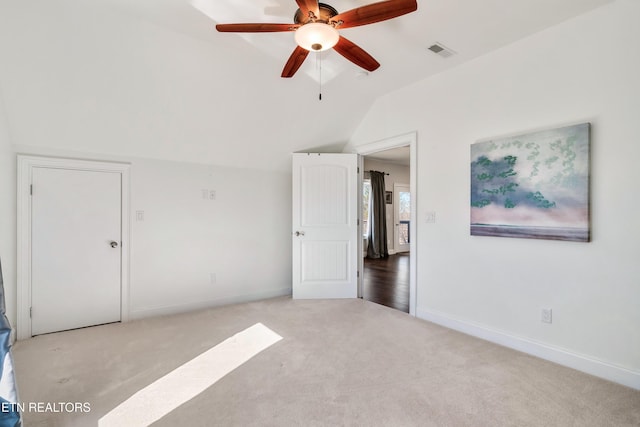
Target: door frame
{"x": 411, "y": 140}
{"x": 26, "y": 164}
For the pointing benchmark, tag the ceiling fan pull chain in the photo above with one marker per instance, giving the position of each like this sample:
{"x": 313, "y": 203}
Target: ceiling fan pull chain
{"x": 319, "y": 59}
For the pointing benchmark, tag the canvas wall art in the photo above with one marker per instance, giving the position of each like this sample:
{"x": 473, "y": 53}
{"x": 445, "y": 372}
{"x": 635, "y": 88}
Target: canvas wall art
{"x": 532, "y": 186}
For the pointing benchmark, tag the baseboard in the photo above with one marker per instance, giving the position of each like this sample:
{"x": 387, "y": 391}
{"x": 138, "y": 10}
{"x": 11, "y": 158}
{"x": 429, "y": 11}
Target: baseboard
{"x": 199, "y": 305}
{"x": 560, "y": 356}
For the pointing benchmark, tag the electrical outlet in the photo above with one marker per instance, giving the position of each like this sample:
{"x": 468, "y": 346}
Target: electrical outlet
{"x": 212, "y": 194}
{"x": 545, "y": 315}
{"x": 431, "y": 218}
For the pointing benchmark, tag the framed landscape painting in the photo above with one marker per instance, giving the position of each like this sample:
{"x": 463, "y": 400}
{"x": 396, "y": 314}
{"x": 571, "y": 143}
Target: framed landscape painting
{"x": 532, "y": 186}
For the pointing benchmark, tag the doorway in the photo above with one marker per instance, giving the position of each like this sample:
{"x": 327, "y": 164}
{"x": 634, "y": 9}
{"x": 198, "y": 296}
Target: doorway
{"x": 386, "y": 275}
{"x": 392, "y": 280}
{"x": 72, "y": 244}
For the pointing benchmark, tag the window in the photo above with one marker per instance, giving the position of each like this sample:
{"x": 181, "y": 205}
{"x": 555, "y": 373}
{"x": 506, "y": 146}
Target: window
{"x": 404, "y": 213}
{"x": 366, "y": 194}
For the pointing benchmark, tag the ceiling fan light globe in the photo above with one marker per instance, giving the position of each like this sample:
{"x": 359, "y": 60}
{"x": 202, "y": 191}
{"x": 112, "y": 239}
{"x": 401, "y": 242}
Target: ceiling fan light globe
{"x": 316, "y": 36}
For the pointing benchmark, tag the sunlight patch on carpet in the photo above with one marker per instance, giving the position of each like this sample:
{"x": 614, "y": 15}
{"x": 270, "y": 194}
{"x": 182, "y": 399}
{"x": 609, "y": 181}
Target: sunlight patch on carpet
{"x": 187, "y": 381}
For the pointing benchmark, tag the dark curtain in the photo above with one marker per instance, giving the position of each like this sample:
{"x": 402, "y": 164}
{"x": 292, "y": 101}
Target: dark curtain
{"x": 377, "y": 247}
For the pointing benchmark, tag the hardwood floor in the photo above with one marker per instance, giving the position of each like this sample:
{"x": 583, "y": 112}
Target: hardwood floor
{"x": 386, "y": 281}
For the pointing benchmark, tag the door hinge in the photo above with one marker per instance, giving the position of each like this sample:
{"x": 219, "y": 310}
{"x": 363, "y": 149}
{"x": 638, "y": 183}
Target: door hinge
{"x": 358, "y": 221}
{"x": 31, "y": 190}
{"x": 30, "y": 312}
{"x": 358, "y": 274}
{"x": 358, "y": 169}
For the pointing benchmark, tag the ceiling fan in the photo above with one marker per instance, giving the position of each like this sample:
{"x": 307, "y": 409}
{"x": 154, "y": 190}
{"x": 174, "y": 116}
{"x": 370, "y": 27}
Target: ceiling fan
{"x": 316, "y": 28}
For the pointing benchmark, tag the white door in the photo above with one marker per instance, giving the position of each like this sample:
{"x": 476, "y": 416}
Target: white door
{"x": 76, "y": 248}
{"x": 402, "y": 217}
{"x": 325, "y": 226}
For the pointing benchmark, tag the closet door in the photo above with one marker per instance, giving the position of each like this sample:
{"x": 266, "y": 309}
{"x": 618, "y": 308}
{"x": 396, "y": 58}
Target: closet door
{"x": 76, "y": 233}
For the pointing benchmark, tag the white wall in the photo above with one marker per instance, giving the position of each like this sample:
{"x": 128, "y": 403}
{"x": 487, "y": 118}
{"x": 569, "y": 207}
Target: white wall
{"x": 398, "y": 174}
{"x": 243, "y": 236}
{"x": 584, "y": 70}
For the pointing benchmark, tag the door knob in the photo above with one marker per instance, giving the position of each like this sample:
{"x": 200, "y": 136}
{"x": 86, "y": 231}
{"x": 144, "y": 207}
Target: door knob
{"x": 299, "y": 233}
{"x": 114, "y": 244}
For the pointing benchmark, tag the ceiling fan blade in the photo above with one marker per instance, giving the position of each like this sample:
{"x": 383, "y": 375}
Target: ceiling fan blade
{"x": 295, "y": 61}
{"x": 375, "y": 12}
{"x": 356, "y": 54}
{"x": 307, "y": 6}
{"x": 255, "y": 28}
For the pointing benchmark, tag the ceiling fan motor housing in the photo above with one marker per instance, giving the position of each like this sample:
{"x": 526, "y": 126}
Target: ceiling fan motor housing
{"x": 326, "y": 13}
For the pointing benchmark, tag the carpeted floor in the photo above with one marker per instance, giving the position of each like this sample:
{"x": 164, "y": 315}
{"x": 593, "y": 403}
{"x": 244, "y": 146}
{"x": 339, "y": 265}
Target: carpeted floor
{"x": 340, "y": 362}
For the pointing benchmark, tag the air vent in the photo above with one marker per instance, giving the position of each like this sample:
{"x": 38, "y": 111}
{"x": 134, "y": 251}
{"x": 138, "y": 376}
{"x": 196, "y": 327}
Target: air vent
{"x": 442, "y": 50}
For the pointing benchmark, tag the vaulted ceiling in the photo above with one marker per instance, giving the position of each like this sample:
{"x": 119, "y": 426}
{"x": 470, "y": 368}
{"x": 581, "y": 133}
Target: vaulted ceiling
{"x": 153, "y": 78}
